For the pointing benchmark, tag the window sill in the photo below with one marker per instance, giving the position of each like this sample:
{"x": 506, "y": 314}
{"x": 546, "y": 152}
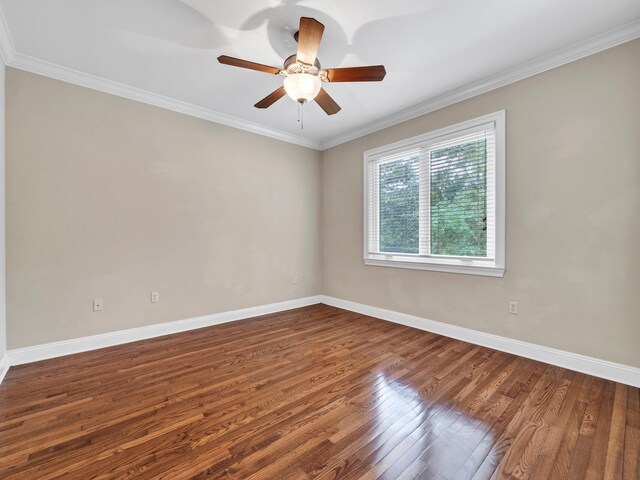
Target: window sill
{"x": 487, "y": 271}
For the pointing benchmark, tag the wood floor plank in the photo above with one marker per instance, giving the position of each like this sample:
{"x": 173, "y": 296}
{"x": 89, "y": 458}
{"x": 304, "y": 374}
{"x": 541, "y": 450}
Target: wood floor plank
{"x": 555, "y": 457}
{"x": 314, "y": 392}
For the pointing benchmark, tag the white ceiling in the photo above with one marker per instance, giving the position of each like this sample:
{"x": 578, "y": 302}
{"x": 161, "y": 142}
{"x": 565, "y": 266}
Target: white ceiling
{"x": 429, "y": 48}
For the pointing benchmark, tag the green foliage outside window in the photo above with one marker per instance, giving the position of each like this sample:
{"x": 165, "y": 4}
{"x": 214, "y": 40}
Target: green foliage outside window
{"x": 459, "y": 200}
{"x": 458, "y": 186}
{"x": 399, "y": 198}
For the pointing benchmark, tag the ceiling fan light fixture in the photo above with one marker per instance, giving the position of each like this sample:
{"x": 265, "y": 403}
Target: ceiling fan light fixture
{"x": 302, "y": 87}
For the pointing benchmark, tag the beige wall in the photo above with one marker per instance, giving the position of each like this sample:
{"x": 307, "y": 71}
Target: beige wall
{"x": 110, "y": 198}
{"x": 573, "y": 215}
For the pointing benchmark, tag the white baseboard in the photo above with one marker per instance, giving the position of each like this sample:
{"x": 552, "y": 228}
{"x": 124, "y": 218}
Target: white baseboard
{"x": 35, "y": 353}
{"x": 4, "y": 366}
{"x": 573, "y": 361}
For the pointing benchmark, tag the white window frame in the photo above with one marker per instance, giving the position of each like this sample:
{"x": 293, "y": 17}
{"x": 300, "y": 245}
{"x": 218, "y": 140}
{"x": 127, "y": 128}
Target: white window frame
{"x": 466, "y": 265}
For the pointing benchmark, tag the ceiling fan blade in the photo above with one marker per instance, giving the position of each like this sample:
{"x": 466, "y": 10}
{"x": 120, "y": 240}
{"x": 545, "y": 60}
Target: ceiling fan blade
{"x": 270, "y": 99}
{"x": 327, "y": 103}
{"x": 373, "y": 73}
{"x": 238, "y": 62}
{"x": 309, "y": 37}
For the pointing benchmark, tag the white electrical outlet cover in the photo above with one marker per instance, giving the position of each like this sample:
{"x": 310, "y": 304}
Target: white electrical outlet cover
{"x": 513, "y": 308}
{"x": 98, "y": 305}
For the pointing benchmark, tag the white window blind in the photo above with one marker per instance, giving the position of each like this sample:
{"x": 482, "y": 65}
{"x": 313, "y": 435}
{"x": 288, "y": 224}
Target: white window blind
{"x": 434, "y": 199}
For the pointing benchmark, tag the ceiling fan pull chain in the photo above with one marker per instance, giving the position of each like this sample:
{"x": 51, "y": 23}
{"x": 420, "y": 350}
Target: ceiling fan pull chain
{"x": 301, "y": 115}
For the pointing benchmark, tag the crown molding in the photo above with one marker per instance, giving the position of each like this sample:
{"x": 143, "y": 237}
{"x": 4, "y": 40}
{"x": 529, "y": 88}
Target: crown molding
{"x": 58, "y": 72}
{"x": 609, "y": 39}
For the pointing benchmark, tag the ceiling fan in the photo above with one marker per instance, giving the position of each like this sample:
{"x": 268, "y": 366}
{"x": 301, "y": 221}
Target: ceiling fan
{"x": 303, "y": 75}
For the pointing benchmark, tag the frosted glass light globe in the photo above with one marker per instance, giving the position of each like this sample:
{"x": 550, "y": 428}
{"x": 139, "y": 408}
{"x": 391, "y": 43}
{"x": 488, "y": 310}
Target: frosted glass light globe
{"x": 302, "y": 87}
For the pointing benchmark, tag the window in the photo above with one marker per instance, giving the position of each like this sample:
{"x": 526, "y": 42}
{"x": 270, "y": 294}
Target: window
{"x": 436, "y": 201}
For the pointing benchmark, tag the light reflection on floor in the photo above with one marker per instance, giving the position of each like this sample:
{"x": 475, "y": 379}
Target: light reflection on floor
{"x": 432, "y": 436}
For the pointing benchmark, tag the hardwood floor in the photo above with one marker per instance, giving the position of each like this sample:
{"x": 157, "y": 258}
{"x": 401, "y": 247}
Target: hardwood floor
{"x": 316, "y": 392}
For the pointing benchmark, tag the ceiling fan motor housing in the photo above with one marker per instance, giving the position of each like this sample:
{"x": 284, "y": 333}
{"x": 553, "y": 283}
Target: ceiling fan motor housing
{"x": 292, "y": 66}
